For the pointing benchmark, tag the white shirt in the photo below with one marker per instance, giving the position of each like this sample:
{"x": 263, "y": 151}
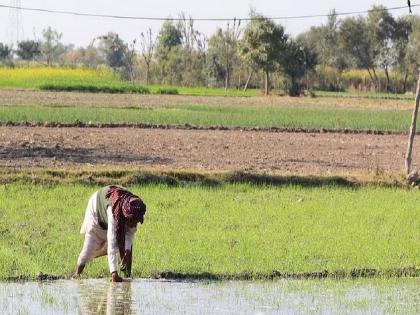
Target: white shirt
{"x": 99, "y": 235}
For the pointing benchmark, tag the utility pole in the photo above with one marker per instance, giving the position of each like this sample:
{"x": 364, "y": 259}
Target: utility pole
{"x": 408, "y": 157}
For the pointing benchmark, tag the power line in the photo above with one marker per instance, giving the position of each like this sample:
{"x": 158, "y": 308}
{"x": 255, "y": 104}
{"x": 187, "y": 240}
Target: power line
{"x": 198, "y": 19}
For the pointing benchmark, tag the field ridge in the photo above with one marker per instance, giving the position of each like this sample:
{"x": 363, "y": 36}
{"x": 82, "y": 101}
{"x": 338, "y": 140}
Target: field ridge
{"x": 80, "y": 124}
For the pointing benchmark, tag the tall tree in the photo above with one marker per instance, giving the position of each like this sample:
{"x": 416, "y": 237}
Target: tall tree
{"x": 401, "y": 50}
{"x": 223, "y": 52}
{"x": 354, "y": 42}
{"x": 381, "y": 30}
{"x": 51, "y": 46}
{"x": 168, "y": 38}
{"x": 168, "y": 45}
{"x": 6, "y": 53}
{"x": 323, "y": 41}
{"x": 113, "y": 48}
{"x": 120, "y": 56}
{"x": 147, "y": 48}
{"x": 296, "y": 61}
{"x": 263, "y": 41}
{"x": 28, "y": 49}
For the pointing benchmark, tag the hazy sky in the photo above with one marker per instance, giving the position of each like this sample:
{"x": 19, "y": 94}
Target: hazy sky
{"x": 81, "y": 30}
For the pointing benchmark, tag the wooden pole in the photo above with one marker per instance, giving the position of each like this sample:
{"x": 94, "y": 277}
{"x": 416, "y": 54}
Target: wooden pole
{"x": 408, "y": 157}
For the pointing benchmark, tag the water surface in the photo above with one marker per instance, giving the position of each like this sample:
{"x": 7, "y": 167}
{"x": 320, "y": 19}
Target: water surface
{"x": 99, "y": 296}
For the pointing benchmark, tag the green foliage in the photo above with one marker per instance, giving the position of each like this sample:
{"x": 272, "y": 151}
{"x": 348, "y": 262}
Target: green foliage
{"x": 51, "y": 46}
{"x": 171, "y": 91}
{"x": 230, "y": 116}
{"x": 264, "y": 45}
{"x": 115, "y": 88}
{"x": 297, "y": 61}
{"x": 169, "y": 37}
{"x": 229, "y": 231}
{"x": 5, "y": 52}
{"x": 28, "y": 49}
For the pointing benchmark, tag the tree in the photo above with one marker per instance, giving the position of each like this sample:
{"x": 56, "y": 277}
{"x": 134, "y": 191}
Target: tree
{"x": 381, "y": 30}
{"x": 167, "y": 45}
{"x": 113, "y": 49}
{"x": 401, "y": 48}
{"x": 168, "y": 38}
{"x": 119, "y": 55}
{"x": 296, "y": 61}
{"x": 51, "y": 46}
{"x": 323, "y": 41}
{"x": 28, "y": 49}
{"x": 147, "y": 49}
{"x": 263, "y": 42}
{"x": 354, "y": 42}
{"x": 222, "y": 53}
{"x": 6, "y": 53}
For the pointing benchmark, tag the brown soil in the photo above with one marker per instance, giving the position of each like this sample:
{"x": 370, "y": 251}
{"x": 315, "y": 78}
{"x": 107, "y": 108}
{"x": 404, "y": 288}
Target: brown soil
{"x": 218, "y": 150}
{"x": 33, "y": 97}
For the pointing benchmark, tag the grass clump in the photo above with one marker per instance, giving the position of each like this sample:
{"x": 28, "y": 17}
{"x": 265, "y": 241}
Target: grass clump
{"x": 229, "y": 231}
{"x": 167, "y": 91}
{"x": 116, "y": 88}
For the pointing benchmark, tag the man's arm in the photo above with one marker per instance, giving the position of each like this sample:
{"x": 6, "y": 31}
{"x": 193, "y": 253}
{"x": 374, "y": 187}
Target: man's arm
{"x": 112, "y": 246}
{"x": 127, "y": 260}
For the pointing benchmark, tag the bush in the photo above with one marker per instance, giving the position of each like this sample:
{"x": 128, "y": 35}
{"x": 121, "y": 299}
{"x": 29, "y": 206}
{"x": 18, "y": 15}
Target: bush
{"x": 135, "y": 89}
{"x": 171, "y": 91}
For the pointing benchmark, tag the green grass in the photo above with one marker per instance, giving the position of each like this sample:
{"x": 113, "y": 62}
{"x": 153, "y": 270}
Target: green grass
{"x": 229, "y": 231}
{"x": 358, "y": 94}
{"x": 204, "y": 91}
{"x": 204, "y": 115}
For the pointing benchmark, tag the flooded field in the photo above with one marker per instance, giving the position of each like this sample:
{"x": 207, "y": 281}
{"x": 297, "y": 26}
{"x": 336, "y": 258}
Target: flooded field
{"x": 99, "y": 296}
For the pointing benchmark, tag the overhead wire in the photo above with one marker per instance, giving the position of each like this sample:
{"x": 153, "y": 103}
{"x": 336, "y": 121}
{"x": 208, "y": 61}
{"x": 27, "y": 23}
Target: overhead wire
{"x": 74, "y": 13}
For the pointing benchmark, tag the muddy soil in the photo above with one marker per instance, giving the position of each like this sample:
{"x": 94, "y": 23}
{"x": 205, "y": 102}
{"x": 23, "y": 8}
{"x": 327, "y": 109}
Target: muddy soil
{"x": 221, "y": 150}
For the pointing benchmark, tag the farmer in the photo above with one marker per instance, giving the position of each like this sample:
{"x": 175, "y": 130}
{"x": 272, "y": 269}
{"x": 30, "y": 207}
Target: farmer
{"x": 110, "y": 222}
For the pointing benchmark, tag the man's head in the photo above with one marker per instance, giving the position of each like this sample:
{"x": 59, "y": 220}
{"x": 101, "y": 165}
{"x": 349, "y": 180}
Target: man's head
{"x": 134, "y": 212}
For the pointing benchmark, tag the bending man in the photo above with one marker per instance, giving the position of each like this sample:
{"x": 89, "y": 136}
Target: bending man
{"x": 110, "y": 222}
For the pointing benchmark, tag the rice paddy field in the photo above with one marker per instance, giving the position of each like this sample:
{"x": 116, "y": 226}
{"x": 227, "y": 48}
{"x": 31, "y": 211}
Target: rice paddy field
{"x": 213, "y": 115}
{"x": 241, "y": 190}
{"x": 238, "y": 231}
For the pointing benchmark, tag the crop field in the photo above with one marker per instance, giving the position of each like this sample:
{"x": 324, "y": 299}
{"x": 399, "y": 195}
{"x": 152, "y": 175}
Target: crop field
{"x": 224, "y": 115}
{"x": 240, "y": 201}
{"x": 86, "y": 80}
{"x": 226, "y": 232}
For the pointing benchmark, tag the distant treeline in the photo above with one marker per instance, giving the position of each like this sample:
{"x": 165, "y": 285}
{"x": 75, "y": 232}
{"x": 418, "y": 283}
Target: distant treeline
{"x": 373, "y": 53}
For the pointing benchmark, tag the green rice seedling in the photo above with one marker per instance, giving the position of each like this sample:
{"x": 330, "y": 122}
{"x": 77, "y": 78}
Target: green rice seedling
{"x": 234, "y": 231}
{"x": 207, "y": 115}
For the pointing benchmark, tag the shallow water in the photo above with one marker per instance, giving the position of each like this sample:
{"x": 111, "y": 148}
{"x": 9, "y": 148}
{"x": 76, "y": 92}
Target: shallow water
{"x": 363, "y": 296}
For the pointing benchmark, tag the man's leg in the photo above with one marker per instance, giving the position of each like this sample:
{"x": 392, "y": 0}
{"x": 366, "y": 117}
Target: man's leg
{"x": 89, "y": 251}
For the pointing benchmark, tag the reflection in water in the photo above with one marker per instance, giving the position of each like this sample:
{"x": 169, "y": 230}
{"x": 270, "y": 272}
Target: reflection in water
{"x": 105, "y": 298}
{"x": 99, "y": 296}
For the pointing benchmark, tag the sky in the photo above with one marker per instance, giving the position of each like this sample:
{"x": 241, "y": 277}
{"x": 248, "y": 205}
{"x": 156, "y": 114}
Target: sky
{"x": 81, "y": 30}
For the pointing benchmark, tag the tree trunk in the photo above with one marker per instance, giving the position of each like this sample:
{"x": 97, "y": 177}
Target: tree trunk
{"x": 408, "y": 157}
{"x": 377, "y": 87}
{"x": 247, "y": 81}
{"x": 371, "y": 77}
{"x": 227, "y": 79}
{"x": 267, "y": 82}
{"x": 387, "y": 79}
{"x": 148, "y": 73}
{"x": 405, "y": 82}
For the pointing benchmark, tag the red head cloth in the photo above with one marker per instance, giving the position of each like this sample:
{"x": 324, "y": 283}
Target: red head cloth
{"x": 125, "y": 206}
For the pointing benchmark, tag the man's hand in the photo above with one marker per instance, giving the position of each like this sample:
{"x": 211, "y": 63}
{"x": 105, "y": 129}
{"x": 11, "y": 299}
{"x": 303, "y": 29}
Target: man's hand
{"x": 116, "y": 277}
{"x": 126, "y": 263}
